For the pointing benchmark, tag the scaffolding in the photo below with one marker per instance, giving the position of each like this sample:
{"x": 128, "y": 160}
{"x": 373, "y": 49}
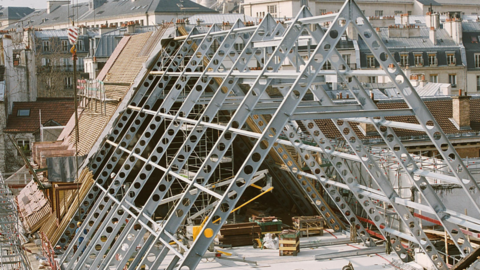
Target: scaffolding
{"x": 12, "y": 253}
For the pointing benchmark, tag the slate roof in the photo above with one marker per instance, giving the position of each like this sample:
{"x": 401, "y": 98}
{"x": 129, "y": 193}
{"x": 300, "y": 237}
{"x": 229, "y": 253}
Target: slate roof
{"x": 441, "y": 109}
{"x": 58, "y": 111}
{"x": 14, "y": 13}
{"x": 208, "y": 19}
{"x": 114, "y": 9}
{"x": 447, "y": 2}
{"x": 60, "y": 15}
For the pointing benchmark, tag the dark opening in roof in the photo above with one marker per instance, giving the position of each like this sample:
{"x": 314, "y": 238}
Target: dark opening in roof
{"x": 23, "y": 112}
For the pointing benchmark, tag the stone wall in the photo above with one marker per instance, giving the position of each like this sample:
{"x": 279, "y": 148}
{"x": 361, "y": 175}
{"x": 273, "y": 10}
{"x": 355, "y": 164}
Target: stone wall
{"x": 13, "y": 160}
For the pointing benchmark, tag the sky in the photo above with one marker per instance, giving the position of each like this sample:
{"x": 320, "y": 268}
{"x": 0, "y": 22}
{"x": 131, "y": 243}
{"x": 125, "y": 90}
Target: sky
{"x": 29, "y": 3}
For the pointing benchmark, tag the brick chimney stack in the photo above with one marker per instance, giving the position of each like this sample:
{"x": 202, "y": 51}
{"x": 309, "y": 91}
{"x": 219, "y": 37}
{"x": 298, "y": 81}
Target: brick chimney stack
{"x": 461, "y": 110}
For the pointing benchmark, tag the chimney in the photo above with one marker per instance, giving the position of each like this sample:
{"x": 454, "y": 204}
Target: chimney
{"x": 130, "y": 27}
{"x": 94, "y": 4}
{"x": 352, "y": 33}
{"x": 453, "y": 26}
{"x": 368, "y": 129}
{"x": 404, "y": 19}
{"x": 422, "y": 82}
{"x": 432, "y": 19}
{"x": 433, "y": 35}
{"x": 461, "y": 111}
{"x": 52, "y": 5}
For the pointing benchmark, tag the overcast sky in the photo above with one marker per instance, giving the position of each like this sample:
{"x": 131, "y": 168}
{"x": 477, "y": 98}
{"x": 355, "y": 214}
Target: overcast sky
{"x": 29, "y": 3}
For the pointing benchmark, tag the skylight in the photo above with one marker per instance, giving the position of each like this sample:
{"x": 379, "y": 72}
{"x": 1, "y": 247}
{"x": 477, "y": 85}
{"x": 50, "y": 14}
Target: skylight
{"x": 23, "y": 112}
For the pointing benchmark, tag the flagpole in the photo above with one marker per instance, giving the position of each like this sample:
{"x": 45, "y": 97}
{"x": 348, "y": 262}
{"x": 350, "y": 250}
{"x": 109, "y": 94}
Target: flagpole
{"x": 77, "y": 139}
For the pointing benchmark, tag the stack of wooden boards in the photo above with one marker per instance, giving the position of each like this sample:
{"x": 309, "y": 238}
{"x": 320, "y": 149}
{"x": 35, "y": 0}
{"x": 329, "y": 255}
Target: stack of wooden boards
{"x": 54, "y": 228}
{"x": 240, "y": 234}
{"x": 289, "y": 243}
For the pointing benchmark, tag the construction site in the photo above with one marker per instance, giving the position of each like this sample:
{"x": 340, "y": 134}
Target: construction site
{"x": 226, "y": 146}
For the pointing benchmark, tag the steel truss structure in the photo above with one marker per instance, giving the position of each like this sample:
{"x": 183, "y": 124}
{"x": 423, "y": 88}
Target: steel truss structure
{"x": 12, "y": 253}
{"x": 213, "y": 89}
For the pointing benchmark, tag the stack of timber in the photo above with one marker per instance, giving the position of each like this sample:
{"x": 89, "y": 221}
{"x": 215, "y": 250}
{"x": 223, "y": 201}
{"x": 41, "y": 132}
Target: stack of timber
{"x": 240, "y": 234}
{"x": 289, "y": 243}
{"x": 54, "y": 228}
{"x": 309, "y": 224}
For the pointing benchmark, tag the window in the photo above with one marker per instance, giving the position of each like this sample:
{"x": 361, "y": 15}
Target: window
{"x": 372, "y": 79}
{"x": 48, "y": 83}
{"x": 322, "y": 11}
{"x": 378, "y": 13}
{"x": 451, "y": 58}
{"x": 24, "y": 145}
{"x": 46, "y": 62}
{"x": 409, "y": 12}
{"x": 64, "y": 45}
{"x": 370, "y": 61}
{"x": 452, "y": 79}
{"x": 80, "y": 45}
{"x": 434, "y": 78}
{"x": 68, "y": 81}
{"x": 432, "y": 59}
{"x": 398, "y": 12}
{"x": 239, "y": 46}
{"x": 478, "y": 83}
{"x": 418, "y": 57}
{"x": 403, "y": 60}
{"x": 346, "y": 58}
{"x": 477, "y": 60}
{"x": 16, "y": 57}
{"x": 23, "y": 112}
{"x": 327, "y": 65}
{"x": 46, "y": 46}
{"x": 272, "y": 9}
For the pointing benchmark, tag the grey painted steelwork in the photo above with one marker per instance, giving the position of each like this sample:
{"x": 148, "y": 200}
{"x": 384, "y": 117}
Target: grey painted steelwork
{"x": 196, "y": 80}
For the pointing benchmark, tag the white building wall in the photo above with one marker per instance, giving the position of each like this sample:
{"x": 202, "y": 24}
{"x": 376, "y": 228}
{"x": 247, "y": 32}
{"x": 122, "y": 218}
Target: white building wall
{"x": 472, "y": 81}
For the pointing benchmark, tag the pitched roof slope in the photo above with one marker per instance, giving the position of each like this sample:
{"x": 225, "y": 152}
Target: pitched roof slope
{"x": 14, "y": 13}
{"x": 124, "y": 70}
{"x": 59, "y": 111}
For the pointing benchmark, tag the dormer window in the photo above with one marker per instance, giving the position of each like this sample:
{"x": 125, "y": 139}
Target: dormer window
{"x": 403, "y": 59}
{"x": 432, "y": 59}
{"x": 370, "y": 61}
{"x": 451, "y": 58}
{"x": 418, "y": 57}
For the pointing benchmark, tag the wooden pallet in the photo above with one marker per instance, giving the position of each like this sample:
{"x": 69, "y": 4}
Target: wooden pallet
{"x": 289, "y": 243}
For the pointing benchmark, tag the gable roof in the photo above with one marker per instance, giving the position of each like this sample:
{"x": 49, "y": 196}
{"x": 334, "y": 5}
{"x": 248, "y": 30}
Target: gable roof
{"x": 53, "y": 111}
